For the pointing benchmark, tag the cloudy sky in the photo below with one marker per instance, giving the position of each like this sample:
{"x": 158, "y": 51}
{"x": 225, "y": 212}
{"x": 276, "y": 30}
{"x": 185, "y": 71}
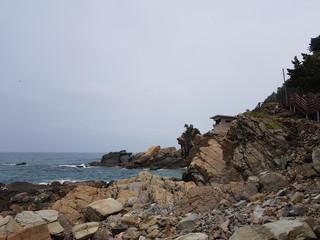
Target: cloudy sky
{"x": 109, "y": 75}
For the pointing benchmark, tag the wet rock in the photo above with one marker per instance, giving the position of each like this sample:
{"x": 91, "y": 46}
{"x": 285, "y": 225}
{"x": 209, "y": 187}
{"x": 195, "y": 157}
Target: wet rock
{"x": 21, "y": 164}
{"x": 98, "y": 210}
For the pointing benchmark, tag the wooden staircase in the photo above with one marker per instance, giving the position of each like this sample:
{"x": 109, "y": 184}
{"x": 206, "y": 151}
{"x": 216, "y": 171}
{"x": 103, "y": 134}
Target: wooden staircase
{"x": 306, "y": 104}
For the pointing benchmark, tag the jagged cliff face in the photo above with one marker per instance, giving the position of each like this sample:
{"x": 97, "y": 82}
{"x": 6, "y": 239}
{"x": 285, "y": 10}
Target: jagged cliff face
{"x": 254, "y": 143}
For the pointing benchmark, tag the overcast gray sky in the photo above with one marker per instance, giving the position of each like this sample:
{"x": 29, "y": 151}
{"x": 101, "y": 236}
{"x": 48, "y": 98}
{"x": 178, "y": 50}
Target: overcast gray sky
{"x": 109, "y": 75}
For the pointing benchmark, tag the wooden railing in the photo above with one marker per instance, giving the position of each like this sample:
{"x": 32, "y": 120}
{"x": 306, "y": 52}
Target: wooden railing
{"x": 306, "y": 104}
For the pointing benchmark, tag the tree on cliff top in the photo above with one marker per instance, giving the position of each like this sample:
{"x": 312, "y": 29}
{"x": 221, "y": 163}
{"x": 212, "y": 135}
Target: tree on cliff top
{"x": 314, "y": 44}
{"x": 186, "y": 140}
{"x": 305, "y": 76}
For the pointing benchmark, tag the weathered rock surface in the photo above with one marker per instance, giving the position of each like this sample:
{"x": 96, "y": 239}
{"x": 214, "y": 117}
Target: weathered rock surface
{"x": 85, "y": 230}
{"x": 8, "y": 225}
{"x": 157, "y": 158}
{"x": 98, "y": 210}
{"x": 279, "y": 230}
{"x": 256, "y": 142}
{"x": 38, "y": 232}
{"x": 193, "y": 236}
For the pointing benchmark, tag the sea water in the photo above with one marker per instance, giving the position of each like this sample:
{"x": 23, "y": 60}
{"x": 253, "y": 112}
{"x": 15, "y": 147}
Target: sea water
{"x": 44, "y": 168}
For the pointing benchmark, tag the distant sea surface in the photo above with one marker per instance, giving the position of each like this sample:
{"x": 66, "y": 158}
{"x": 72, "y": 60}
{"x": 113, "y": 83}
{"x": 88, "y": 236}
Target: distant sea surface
{"x": 44, "y": 168}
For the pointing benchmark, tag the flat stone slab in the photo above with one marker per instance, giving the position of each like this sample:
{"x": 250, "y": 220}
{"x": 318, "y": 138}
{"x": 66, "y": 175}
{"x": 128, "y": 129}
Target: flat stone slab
{"x": 98, "y": 210}
{"x": 29, "y": 218}
{"x": 85, "y": 230}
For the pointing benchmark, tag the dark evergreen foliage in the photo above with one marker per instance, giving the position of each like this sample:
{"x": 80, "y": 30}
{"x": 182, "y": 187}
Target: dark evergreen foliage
{"x": 304, "y": 77}
{"x": 315, "y": 44}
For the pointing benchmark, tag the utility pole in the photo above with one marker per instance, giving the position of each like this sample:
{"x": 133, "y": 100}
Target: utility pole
{"x": 285, "y": 87}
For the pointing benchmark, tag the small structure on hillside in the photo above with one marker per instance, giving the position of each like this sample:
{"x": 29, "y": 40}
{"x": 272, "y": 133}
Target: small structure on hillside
{"x": 222, "y": 122}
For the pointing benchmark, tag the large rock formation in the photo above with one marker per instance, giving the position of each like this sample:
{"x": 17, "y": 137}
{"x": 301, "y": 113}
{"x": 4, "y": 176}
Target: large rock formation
{"x": 113, "y": 159}
{"x": 158, "y": 158}
{"x": 256, "y": 142}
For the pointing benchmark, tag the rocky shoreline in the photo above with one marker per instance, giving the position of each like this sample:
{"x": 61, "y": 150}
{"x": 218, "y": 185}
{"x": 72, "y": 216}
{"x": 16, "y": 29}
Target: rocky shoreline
{"x": 258, "y": 181}
{"x": 155, "y": 158}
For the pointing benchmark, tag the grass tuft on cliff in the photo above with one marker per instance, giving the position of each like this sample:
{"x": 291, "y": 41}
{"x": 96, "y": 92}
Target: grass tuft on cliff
{"x": 268, "y": 121}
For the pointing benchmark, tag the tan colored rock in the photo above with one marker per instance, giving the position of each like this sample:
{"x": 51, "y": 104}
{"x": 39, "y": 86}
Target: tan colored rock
{"x": 153, "y": 150}
{"x": 55, "y": 229}
{"x": 8, "y": 225}
{"x": 85, "y": 230}
{"x": 306, "y": 170}
{"x": 297, "y": 197}
{"x": 150, "y": 221}
{"x": 291, "y": 230}
{"x": 129, "y": 220}
{"x": 98, "y": 210}
{"x": 256, "y": 197}
{"x": 75, "y": 202}
{"x": 38, "y": 232}
{"x": 193, "y": 236}
{"x": 125, "y": 195}
{"x": 253, "y": 232}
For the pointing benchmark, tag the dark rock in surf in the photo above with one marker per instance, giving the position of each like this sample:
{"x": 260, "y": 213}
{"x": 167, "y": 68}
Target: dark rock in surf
{"x": 21, "y": 164}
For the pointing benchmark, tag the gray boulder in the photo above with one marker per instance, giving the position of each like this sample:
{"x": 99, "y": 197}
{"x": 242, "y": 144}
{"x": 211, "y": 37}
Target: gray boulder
{"x": 279, "y": 230}
{"x": 273, "y": 181}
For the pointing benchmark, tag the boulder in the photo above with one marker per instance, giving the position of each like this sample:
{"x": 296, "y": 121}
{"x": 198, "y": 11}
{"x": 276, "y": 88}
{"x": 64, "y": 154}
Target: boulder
{"x": 111, "y": 159}
{"x": 279, "y": 230}
{"x": 8, "y": 225}
{"x": 157, "y": 158}
{"x": 271, "y": 182}
{"x": 188, "y": 222}
{"x": 55, "y": 229}
{"x": 48, "y": 215}
{"x": 38, "y": 232}
{"x": 21, "y": 164}
{"x": 85, "y": 231}
{"x": 100, "y": 209}
{"x": 29, "y": 218}
{"x": 253, "y": 232}
{"x": 291, "y": 230}
{"x": 193, "y": 236}
{"x": 208, "y": 164}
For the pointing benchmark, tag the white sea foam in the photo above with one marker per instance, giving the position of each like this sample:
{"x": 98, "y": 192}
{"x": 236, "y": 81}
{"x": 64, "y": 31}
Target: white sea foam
{"x": 60, "y": 181}
{"x": 75, "y": 166}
